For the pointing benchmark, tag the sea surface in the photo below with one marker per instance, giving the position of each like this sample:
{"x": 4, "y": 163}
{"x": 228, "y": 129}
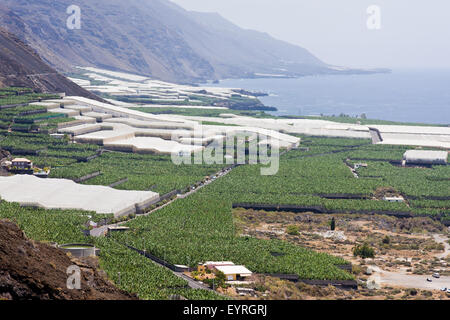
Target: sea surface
{"x": 421, "y": 96}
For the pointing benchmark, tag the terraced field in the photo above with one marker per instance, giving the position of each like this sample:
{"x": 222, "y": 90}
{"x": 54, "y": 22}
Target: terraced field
{"x": 144, "y": 172}
{"x": 15, "y": 114}
{"x": 13, "y": 95}
{"x": 72, "y": 161}
{"x": 137, "y": 274}
{"x": 201, "y": 227}
{"x": 307, "y": 177}
{"x": 134, "y": 273}
{"x": 61, "y": 226}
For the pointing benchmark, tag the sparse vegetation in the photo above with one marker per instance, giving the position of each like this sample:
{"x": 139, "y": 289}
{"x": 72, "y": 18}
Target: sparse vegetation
{"x": 292, "y": 230}
{"x": 364, "y": 251}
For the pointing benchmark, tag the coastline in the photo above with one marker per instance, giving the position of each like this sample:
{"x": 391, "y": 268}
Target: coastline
{"x": 402, "y": 96}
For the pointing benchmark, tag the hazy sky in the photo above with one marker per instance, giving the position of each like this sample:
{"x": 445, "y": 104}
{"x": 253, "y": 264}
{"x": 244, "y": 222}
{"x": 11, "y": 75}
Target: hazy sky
{"x": 414, "y": 33}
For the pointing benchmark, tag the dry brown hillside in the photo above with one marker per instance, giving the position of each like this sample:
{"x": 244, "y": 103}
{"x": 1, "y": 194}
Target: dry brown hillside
{"x": 21, "y": 66}
{"x": 33, "y": 270}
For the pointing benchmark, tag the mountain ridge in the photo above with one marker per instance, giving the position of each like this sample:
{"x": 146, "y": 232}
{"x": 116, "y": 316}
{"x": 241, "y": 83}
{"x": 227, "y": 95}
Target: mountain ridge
{"x": 154, "y": 38}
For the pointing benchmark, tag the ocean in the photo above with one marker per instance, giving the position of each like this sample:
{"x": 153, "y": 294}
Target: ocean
{"x": 421, "y": 96}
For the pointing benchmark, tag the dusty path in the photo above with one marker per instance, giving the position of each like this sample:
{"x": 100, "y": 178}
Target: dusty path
{"x": 444, "y": 240}
{"x": 195, "y": 284}
{"x": 402, "y": 279}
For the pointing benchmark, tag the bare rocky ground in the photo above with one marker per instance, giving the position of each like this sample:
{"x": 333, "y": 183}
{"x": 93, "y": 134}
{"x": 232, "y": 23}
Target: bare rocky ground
{"x": 407, "y": 252}
{"x": 3, "y": 155}
{"x": 21, "y": 66}
{"x": 32, "y": 270}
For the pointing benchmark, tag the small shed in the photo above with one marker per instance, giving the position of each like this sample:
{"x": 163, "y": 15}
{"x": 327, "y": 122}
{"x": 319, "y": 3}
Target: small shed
{"x": 425, "y": 157}
{"x": 360, "y": 165}
{"x": 394, "y": 199}
{"x": 245, "y": 291}
{"x": 57, "y": 135}
{"x": 117, "y": 229}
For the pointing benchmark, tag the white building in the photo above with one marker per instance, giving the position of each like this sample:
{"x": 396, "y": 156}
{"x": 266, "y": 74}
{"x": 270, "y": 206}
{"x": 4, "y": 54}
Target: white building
{"x": 22, "y": 163}
{"x": 233, "y": 273}
{"x": 425, "y": 157}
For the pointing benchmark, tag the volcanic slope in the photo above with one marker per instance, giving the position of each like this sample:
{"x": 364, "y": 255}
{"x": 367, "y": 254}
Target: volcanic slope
{"x": 37, "y": 271}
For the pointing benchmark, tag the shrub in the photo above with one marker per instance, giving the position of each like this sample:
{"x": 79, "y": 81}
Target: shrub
{"x": 218, "y": 281}
{"x": 386, "y": 240}
{"x": 411, "y": 292}
{"x": 427, "y": 293}
{"x": 364, "y": 251}
{"x": 292, "y": 230}
{"x": 260, "y": 288}
{"x": 356, "y": 269}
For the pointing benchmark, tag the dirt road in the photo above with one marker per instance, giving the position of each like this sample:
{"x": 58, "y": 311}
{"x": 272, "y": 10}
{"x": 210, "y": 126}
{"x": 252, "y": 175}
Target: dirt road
{"x": 442, "y": 239}
{"x": 402, "y": 279}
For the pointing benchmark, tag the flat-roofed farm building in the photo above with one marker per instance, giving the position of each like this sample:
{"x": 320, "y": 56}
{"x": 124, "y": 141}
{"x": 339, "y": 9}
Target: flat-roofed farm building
{"x": 425, "y": 157}
{"x": 233, "y": 273}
